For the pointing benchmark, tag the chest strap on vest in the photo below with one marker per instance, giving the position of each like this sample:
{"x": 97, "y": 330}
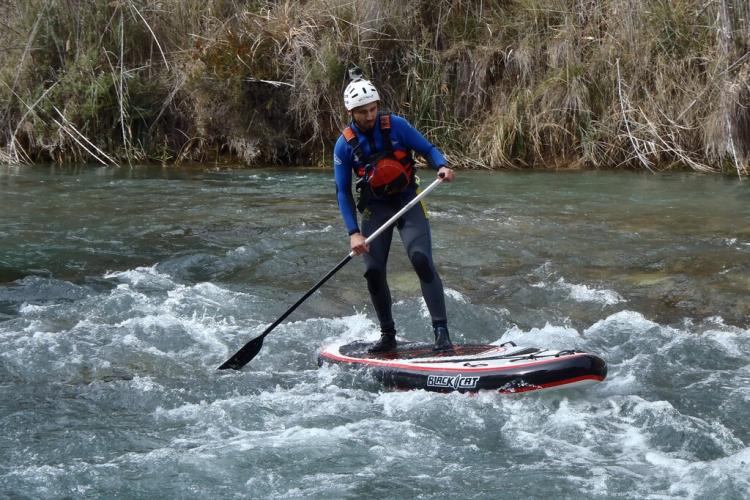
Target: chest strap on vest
{"x": 385, "y": 130}
{"x": 353, "y": 141}
{"x": 350, "y": 136}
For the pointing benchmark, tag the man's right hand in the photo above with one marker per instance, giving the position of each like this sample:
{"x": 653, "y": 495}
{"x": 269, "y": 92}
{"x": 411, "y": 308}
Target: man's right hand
{"x": 358, "y": 245}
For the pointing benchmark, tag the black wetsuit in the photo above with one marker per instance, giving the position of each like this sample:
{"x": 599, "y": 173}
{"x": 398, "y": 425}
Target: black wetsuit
{"x": 413, "y": 226}
{"x": 414, "y": 230}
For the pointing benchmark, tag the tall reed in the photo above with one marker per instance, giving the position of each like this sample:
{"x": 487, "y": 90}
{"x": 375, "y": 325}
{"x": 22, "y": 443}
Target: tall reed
{"x": 651, "y": 84}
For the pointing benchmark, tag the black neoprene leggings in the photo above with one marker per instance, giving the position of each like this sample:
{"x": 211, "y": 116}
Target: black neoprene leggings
{"x": 414, "y": 230}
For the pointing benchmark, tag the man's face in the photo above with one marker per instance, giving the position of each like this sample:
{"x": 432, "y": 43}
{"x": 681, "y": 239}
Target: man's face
{"x": 364, "y": 116}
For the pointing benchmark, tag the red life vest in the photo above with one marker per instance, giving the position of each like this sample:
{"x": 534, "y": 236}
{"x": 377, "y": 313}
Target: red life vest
{"x": 386, "y": 173}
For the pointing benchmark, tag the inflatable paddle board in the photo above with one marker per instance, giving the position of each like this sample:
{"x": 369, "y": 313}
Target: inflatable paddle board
{"x": 505, "y": 368}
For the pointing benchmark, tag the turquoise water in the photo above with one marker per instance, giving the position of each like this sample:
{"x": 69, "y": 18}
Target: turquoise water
{"x": 122, "y": 290}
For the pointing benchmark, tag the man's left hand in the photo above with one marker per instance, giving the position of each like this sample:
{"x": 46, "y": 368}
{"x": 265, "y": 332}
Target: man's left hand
{"x": 447, "y": 174}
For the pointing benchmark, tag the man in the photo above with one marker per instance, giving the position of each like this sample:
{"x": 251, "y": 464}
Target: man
{"x": 377, "y": 148}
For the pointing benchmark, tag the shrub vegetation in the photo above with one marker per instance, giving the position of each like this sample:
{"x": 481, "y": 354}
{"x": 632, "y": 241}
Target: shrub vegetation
{"x": 652, "y": 84}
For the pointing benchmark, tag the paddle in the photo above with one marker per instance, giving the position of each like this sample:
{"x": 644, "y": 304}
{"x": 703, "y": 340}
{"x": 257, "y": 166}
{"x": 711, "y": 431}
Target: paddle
{"x": 252, "y": 348}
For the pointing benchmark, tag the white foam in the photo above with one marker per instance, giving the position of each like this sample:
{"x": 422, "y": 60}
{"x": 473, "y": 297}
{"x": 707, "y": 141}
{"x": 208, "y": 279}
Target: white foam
{"x": 625, "y": 437}
{"x": 549, "y": 336}
{"x": 241, "y": 250}
{"x": 141, "y": 276}
{"x": 623, "y": 378}
{"x": 327, "y": 374}
{"x": 33, "y": 309}
{"x": 584, "y": 293}
{"x": 206, "y": 294}
{"x": 326, "y": 229}
{"x": 194, "y": 412}
{"x": 424, "y": 312}
{"x": 343, "y": 329}
{"x": 623, "y": 320}
{"x": 728, "y": 341}
{"x": 144, "y": 384}
{"x": 421, "y": 405}
{"x": 399, "y": 404}
{"x": 456, "y": 295}
{"x": 439, "y": 214}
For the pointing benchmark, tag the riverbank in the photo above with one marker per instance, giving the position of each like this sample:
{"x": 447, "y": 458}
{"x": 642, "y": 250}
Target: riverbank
{"x": 519, "y": 84}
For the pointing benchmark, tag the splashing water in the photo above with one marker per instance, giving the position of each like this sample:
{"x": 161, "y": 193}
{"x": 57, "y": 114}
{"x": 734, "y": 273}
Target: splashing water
{"x": 121, "y": 291}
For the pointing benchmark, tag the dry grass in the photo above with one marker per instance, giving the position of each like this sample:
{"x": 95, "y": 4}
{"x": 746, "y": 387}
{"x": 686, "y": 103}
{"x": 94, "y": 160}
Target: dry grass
{"x": 497, "y": 84}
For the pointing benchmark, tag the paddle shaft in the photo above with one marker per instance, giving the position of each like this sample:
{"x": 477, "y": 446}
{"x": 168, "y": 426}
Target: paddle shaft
{"x": 401, "y": 212}
{"x": 251, "y": 349}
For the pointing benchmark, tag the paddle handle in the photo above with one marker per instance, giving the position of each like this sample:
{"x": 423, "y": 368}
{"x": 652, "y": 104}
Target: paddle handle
{"x": 401, "y": 212}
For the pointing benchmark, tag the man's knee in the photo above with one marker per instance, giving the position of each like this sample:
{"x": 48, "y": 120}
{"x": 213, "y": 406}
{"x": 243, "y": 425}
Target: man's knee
{"x": 423, "y": 267}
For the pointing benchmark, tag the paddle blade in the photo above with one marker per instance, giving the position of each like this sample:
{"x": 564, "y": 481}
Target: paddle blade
{"x": 244, "y": 355}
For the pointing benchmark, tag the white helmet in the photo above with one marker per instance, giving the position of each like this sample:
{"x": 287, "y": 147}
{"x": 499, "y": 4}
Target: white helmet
{"x": 360, "y": 92}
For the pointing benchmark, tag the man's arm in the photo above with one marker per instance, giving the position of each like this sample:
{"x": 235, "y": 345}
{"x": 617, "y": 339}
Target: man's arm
{"x": 342, "y": 171}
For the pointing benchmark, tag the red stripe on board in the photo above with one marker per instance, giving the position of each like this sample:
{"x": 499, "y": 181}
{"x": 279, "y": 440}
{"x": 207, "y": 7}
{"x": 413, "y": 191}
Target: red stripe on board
{"x": 466, "y": 369}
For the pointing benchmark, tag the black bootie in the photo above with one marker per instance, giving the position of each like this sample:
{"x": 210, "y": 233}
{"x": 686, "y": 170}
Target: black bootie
{"x": 386, "y": 343}
{"x": 442, "y": 339}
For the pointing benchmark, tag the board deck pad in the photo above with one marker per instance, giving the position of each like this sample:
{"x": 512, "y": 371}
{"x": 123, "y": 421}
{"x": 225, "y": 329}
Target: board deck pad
{"x": 414, "y": 350}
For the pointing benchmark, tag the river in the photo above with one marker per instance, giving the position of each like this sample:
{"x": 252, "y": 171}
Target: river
{"x": 121, "y": 291}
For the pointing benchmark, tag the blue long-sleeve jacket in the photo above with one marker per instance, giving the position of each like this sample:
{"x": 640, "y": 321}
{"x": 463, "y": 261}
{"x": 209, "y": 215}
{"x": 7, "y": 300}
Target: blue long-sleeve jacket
{"x": 403, "y": 136}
